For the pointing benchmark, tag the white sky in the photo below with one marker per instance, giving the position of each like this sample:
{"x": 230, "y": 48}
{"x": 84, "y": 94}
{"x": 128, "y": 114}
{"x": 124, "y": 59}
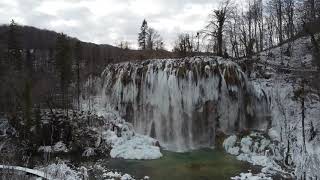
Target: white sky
{"x": 109, "y": 21}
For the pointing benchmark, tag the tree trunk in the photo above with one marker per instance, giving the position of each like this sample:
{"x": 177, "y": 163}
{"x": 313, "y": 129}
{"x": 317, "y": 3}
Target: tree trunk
{"x": 280, "y": 21}
{"x": 220, "y": 40}
{"x": 78, "y": 83}
{"x": 261, "y": 36}
{"x": 313, "y": 10}
{"x": 303, "y": 116}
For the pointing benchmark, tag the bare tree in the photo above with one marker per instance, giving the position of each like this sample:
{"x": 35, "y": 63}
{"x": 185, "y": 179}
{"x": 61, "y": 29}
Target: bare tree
{"x": 234, "y": 33}
{"x": 278, "y": 6}
{"x": 154, "y": 40}
{"x": 124, "y": 45}
{"x": 289, "y": 6}
{"x": 311, "y": 10}
{"x": 184, "y": 45}
{"x": 216, "y": 25}
{"x": 256, "y": 13}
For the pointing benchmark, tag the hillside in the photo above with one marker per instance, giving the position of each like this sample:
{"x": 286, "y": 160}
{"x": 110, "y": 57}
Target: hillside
{"x": 45, "y": 40}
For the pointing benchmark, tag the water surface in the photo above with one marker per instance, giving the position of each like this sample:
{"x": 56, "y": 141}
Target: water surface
{"x": 200, "y": 164}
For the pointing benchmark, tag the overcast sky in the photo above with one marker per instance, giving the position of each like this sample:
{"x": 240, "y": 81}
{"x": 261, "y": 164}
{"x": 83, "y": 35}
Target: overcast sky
{"x": 109, "y": 21}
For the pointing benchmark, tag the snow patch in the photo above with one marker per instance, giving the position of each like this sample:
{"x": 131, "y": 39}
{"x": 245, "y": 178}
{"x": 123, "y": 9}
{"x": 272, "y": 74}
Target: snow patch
{"x": 135, "y": 147}
{"x": 246, "y": 144}
{"x": 57, "y": 148}
{"x": 229, "y": 145}
{"x": 60, "y": 147}
{"x": 250, "y": 176}
{"x": 254, "y": 149}
{"x": 88, "y": 152}
{"x": 61, "y": 171}
{"x": 273, "y": 134}
{"x": 116, "y": 175}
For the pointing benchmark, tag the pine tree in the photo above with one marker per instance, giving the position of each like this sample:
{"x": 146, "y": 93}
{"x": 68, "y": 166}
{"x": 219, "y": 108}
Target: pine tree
{"x": 78, "y": 55}
{"x": 27, "y": 108}
{"x": 14, "y": 49}
{"x": 142, "y": 39}
{"x": 64, "y": 66}
{"x": 29, "y": 62}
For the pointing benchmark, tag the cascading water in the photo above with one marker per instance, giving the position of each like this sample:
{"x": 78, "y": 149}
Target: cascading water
{"x": 183, "y": 102}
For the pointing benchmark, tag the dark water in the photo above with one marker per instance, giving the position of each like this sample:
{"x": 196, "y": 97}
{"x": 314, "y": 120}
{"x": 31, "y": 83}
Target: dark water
{"x": 200, "y": 164}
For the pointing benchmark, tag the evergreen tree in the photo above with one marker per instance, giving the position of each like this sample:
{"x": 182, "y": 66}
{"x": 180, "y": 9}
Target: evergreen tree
{"x": 78, "y": 55}
{"x": 142, "y": 39}
{"x": 27, "y": 108}
{"x": 64, "y": 66}
{"x": 14, "y": 49}
{"x": 29, "y": 62}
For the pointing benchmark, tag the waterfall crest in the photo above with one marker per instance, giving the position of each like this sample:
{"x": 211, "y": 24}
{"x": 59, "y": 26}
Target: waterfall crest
{"x": 183, "y": 102}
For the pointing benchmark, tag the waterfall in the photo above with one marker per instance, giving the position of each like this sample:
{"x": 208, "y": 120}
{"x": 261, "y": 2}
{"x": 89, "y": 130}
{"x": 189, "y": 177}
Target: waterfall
{"x": 183, "y": 102}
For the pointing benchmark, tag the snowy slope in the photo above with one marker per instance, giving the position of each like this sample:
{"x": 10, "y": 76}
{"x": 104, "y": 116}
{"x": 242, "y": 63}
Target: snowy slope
{"x": 278, "y": 74}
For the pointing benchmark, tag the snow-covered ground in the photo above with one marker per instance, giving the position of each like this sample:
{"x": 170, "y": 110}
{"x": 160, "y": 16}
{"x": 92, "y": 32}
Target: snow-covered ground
{"x": 61, "y": 170}
{"x": 287, "y": 123}
{"x": 296, "y": 54}
{"x": 277, "y": 75}
{"x": 286, "y": 107}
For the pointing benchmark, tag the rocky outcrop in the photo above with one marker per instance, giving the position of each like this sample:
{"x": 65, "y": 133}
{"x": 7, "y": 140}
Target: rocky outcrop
{"x": 258, "y": 149}
{"x": 87, "y": 134}
{"x": 61, "y": 132}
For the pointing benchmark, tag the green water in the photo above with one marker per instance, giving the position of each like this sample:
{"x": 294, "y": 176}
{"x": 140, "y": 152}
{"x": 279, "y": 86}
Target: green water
{"x": 201, "y": 164}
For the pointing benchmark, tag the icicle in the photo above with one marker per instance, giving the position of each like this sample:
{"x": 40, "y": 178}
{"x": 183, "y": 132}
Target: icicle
{"x": 181, "y": 102}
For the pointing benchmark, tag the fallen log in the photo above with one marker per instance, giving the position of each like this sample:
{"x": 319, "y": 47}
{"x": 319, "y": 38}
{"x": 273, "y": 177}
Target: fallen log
{"x": 27, "y": 170}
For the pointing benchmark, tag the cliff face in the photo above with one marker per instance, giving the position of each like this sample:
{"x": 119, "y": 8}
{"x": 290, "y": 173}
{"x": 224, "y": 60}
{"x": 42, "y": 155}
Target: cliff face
{"x": 183, "y": 102}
